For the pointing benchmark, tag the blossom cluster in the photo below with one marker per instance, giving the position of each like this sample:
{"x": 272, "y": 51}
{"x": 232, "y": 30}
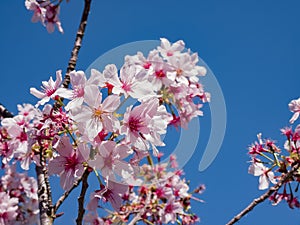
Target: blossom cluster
{"x": 92, "y": 130}
{"x": 162, "y": 197}
{"x": 271, "y": 163}
{"x": 18, "y": 198}
{"x": 46, "y": 12}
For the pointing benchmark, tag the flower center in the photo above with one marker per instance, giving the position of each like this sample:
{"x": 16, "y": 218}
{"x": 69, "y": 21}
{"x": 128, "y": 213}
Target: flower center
{"x": 134, "y": 124}
{"x": 179, "y": 72}
{"x": 160, "y": 73}
{"x": 49, "y": 92}
{"x": 71, "y": 163}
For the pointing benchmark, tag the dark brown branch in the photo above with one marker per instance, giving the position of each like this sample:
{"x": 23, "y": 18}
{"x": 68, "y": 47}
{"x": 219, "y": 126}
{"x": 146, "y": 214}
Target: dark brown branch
{"x": 266, "y": 195}
{"x": 78, "y": 41}
{"x": 84, "y": 188}
{"x": 4, "y": 113}
{"x": 66, "y": 194}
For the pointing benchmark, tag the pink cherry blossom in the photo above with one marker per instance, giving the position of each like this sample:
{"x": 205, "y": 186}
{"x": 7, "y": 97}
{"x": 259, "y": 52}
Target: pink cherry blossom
{"x": 131, "y": 85}
{"x": 109, "y": 159}
{"x": 167, "y": 49}
{"x": 52, "y": 19}
{"x": 265, "y": 175}
{"x": 39, "y": 12}
{"x": 111, "y": 193}
{"x": 172, "y": 208}
{"x": 294, "y": 106}
{"x": 49, "y": 89}
{"x": 23, "y": 190}
{"x": 79, "y": 82}
{"x": 97, "y": 115}
{"x": 69, "y": 163}
{"x": 146, "y": 121}
{"x": 92, "y": 218}
{"x": 185, "y": 68}
{"x": 8, "y": 208}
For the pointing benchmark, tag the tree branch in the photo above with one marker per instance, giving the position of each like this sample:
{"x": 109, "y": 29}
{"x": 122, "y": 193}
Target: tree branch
{"x": 4, "y": 113}
{"x": 66, "y": 194}
{"x": 44, "y": 193}
{"x": 78, "y": 41}
{"x": 84, "y": 188}
{"x": 266, "y": 195}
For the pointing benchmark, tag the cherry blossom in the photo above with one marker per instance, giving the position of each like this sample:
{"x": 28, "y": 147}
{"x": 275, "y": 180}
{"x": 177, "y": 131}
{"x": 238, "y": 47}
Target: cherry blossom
{"x": 69, "y": 163}
{"x": 264, "y": 173}
{"x": 294, "y": 106}
{"x": 145, "y": 122}
{"x": 112, "y": 192}
{"x": 8, "y": 208}
{"x": 167, "y": 49}
{"x": 52, "y": 19}
{"x": 50, "y": 89}
{"x": 92, "y": 132}
{"x": 39, "y": 12}
{"x": 45, "y": 12}
{"x": 79, "y": 82}
{"x": 109, "y": 159}
{"x": 97, "y": 115}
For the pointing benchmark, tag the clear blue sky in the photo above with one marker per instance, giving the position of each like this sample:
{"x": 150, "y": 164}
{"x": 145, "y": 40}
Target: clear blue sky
{"x": 252, "y": 46}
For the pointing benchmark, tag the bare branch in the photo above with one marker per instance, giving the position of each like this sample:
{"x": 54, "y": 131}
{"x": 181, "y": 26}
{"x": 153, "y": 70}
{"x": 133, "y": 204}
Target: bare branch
{"x": 84, "y": 188}
{"x": 66, "y": 194}
{"x": 4, "y": 113}
{"x": 78, "y": 41}
{"x": 266, "y": 195}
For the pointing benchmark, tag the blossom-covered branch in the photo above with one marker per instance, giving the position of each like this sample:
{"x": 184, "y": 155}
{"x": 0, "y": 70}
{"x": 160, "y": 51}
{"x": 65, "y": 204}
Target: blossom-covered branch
{"x": 281, "y": 168}
{"x": 266, "y": 195}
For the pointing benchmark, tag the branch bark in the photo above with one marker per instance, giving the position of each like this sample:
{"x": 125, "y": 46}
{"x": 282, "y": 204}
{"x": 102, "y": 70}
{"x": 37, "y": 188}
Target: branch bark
{"x": 44, "y": 193}
{"x": 84, "y": 188}
{"x": 66, "y": 194}
{"x": 78, "y": 41}
{"x": 4, "y": 113}
{"x": 266, "y": 195}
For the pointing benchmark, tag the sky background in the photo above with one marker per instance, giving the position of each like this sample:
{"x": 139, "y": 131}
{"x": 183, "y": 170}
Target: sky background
{"x": 252, "y": 47}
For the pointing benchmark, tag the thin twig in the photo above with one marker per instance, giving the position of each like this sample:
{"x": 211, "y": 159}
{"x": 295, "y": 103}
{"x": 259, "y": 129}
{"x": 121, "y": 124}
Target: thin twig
{"x": 84, "y": 188}
{"x": 266, "y": 195}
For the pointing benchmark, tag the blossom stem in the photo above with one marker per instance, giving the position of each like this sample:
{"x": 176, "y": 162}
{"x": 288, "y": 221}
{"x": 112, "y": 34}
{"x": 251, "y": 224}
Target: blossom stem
{"x": 266, "y": 195}
{"x": 122, "y": 103}
{"x": 150, "y": 161}
{"x": 148, "y": 222}
{"x": 69, "y": 132}
{"x": 276, "y": 159}
{"x": 267, "y": 157}
{"x": 98, "y": 177}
